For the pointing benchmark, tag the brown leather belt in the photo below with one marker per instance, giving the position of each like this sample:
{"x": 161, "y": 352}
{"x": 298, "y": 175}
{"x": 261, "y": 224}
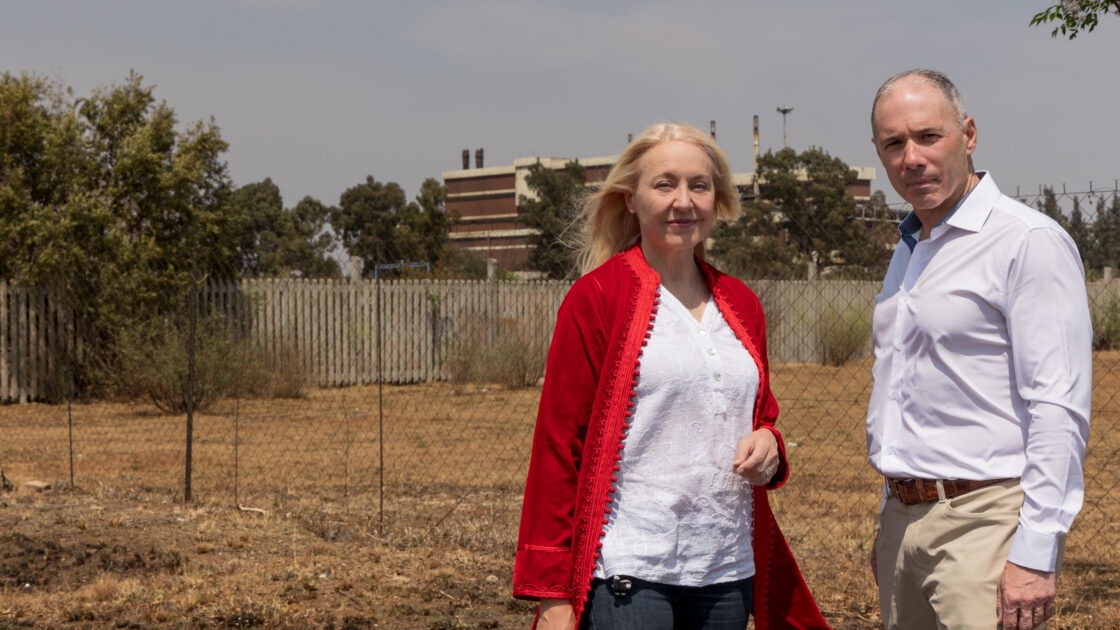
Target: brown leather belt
{"x": 915, "y": 491}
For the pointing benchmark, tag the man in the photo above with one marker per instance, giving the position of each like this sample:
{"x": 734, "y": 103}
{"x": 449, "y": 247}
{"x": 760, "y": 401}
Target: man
{"x": 979, "y": 410}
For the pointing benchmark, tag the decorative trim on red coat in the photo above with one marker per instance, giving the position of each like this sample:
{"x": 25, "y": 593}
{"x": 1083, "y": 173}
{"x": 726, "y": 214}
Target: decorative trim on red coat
{"x": 782, "y": 600}
{"x": 616, "y": 409}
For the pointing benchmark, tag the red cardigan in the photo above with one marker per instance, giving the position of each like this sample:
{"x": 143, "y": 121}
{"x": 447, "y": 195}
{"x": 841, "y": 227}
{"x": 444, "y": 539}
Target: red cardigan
{"x": 586, "y": 403}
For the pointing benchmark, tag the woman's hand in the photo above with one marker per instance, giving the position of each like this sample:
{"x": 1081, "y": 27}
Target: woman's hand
{"x": 556, "y": 614}
{"x": 756, "y": 457}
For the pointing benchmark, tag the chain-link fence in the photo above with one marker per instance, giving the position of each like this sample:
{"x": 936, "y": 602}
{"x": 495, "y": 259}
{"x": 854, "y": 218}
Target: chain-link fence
{"x": 410, "y": 403}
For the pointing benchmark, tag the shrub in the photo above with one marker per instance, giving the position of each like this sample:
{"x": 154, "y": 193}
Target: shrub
{"x": 1106, "y": 324}
{"x": 508, "y": 352}
{"x": 842, "y": 334}
{"x": 154, "y": 357}
{"x": 773, "y": 307}
{"x": 287, "y": 375}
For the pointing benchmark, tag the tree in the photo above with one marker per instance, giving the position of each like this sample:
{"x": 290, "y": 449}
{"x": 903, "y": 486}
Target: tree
{"x": 1048, "y": 205}
{"x": 105, "y": 199}
{"x": 871, "y": 258}
{"x": 261, "y": 227}
{"x": 804, "y": 215}
{"x": 1105, "y": 236}
{"x": 366, "y": 222}
{"x": 558, "y": 195}
{"x": 1075, "y": 16}
{"x": 375, "y": 223}
{"x": 753, "y": 246}
{"x": 310, "y": 253}
{"x": 273, "y": 241}
{"x": 461, "y": 263}
{"x": 1079, "y": 231}
{"x": 425, "y": 224}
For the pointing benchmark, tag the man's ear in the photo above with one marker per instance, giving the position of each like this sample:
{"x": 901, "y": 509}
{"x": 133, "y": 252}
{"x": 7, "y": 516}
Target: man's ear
{"x": 970, "y": 134}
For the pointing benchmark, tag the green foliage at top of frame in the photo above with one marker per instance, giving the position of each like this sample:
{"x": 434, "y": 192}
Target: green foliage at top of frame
{"x": 842, "y": 334}
{"x": 804, "y": 215}
{"x": 1074, "y": 16}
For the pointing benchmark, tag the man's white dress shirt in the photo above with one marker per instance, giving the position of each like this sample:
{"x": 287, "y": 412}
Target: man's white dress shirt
{"x": 983, "y": 363}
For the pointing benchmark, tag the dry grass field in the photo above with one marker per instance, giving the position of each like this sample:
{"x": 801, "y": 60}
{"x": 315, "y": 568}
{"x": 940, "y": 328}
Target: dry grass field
{"x": 294, "y": 523}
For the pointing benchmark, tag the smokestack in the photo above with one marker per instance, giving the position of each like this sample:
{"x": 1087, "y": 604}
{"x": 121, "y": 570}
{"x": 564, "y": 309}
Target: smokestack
{"x": 713, "y": 128}
{"x": 478, "y": 158}
{"x": 466, "y": 159}
{"x": 756, "y": 156}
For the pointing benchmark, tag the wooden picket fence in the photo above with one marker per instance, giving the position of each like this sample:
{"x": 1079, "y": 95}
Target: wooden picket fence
{"x": 335, "y": 327}
{"x": 36, "y": 333}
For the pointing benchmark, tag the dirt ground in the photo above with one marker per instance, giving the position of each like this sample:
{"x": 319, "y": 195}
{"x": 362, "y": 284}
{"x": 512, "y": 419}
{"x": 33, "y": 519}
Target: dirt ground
{"x": 398, "y": 508}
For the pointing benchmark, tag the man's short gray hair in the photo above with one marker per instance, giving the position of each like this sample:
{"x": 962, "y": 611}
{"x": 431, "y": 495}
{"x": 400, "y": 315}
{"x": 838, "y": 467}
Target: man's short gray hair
{"x": 937, "y": 79}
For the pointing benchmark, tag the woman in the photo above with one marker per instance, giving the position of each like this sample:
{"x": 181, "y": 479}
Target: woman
{"x": 645, "y": 485}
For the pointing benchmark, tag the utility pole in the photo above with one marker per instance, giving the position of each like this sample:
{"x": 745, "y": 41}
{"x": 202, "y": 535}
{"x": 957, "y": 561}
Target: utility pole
{"x": 756, "y": 157}
{"x": 783, "y": 111}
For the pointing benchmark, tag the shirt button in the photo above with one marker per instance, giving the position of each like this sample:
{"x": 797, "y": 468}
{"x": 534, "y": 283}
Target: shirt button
{"x": 701, "y": 332}
{"x": 717, "y": 376}
{"x": 712, "y": 351}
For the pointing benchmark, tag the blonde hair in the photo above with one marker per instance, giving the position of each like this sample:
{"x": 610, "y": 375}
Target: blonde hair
{"x": 607, "y": 225}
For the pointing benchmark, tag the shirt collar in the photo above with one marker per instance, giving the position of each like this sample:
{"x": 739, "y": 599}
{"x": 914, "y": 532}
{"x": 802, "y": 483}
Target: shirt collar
{"x": 911, "y": 226}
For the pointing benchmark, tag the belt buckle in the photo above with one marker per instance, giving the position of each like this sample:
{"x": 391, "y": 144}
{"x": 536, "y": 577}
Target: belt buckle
{"x": 902, "y": 483}
{"x": 898, "y": 488}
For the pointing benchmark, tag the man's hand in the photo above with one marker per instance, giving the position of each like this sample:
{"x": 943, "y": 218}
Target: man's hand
{"x": 556, "y": 614}
{"x": 755, "y": 455}
{"x": 1024, "y": 597}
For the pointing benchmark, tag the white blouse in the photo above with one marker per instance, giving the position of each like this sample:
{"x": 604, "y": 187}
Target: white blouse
{"x": 680, "y": 514}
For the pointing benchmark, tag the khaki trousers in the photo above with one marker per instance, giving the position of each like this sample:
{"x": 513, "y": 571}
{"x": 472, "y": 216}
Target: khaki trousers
{"x": 939, "y": 561}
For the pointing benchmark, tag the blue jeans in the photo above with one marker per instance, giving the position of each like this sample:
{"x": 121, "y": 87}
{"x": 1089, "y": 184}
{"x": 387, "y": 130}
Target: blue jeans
{"x": 651, "y": 606}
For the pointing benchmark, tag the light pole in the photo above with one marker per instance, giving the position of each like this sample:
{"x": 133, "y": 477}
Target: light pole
{"x": 783, "y": 111}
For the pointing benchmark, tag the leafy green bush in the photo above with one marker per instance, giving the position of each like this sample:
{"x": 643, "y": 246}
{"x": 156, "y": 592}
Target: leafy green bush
{"x": 1106, "y": 323}
{"x": 842, "y": 334}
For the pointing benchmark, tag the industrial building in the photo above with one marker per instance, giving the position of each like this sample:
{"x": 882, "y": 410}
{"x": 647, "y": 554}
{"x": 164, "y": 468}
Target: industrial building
{"x": 487, "y": 197}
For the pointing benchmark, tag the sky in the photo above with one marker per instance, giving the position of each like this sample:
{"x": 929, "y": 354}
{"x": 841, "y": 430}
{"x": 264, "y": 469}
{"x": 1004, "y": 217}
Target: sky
{"x": 319, "y": 94}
